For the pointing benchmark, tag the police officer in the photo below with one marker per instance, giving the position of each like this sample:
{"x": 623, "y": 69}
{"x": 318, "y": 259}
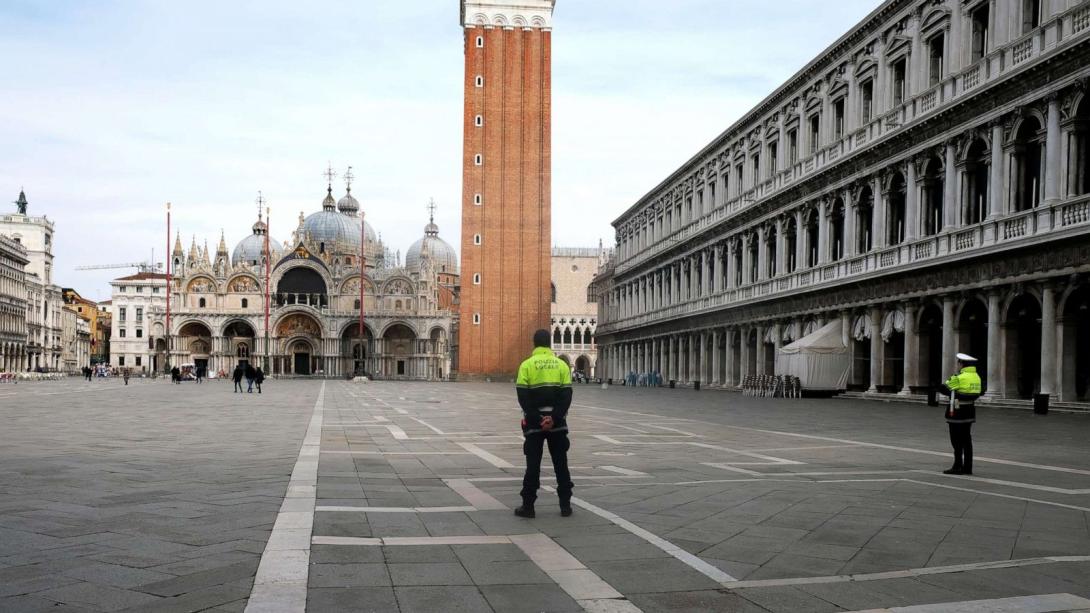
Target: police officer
{"x": 963, "y": 389}
{"x": 544, "y": 393}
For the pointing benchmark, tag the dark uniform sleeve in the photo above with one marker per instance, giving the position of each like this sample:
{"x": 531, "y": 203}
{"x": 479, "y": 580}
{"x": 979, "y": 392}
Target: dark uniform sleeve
{"x": 525, "y": 397}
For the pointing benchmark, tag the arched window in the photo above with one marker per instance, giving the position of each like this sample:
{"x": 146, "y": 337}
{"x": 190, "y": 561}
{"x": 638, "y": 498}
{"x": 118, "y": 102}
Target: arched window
{"x": 243, "y": 350}
{"x": 556, "y": 336}
{"x": 356, "y": 304}
{"x": 836, "y": 230}
{"x": 245, "y": 303}
{"x": 864, "y": 216}
{"x": 812, "y": 233}
{"x": 790, "y": 235}
{"x": 1026, "y": 162}
{"x": 397, "y": 305}
{"x": 578, "y": 336}
{"x": 201, "y": 303}
{"x": 567, "y": 336}
{"x": 974, "y": 182}
{"x": 771, "y": 248}
{"x": 933, "y": 195}
{"x": 897, "y": 202}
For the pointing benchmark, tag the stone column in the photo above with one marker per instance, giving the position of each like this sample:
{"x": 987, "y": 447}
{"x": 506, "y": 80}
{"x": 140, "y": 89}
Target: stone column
{"x": 1053, "y": 161}
{"x": 744, "y": 354}
{"x": 995, "y": 173}
{"x": 762, "y": 253}
{"x": 995, "y": 362}
{"x": 705, "y": 274}
{"x": 728, "y": 365}
{"x": 875, "y": 349}
{"x": 851, "y": 241}
{"x": 777, "y": 342}
{"x": 747, "y": 259}
{"x": 949, "y": 348}
{"x": 950, "y": 205}
{"x": 1048, "y": 339}
{"x": 823, "y": 233}
{"x": 703, "y": 364}
{"x": 912, "y": 350}
{"x": 717, "y": 269}
{"x": 761, "y": 350}
{"x": 715, "y": 379}
{"x": 781, "y": 248}
{"x": 678, "y": 298}
{"x": 912, "y": 203}
{"x": 801, "y": 248}
{"x": 691, "y": 367}
{"x": 879, "y": 231}
{"x": 731, "y": 272}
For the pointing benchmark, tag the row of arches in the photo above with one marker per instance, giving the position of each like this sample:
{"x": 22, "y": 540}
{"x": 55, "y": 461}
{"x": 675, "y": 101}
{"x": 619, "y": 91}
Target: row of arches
{"x": 572, "y": 335}
{"x": 299, "y": 345}
{"x": 1029, "y": 340}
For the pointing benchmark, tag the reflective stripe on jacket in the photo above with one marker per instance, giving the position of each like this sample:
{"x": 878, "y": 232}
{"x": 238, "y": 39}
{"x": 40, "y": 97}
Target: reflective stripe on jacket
{"x": 543, "y": 387}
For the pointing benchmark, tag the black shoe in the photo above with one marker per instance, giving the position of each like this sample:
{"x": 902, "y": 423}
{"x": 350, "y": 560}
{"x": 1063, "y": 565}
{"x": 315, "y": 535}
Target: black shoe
{"x": 952, "y": 471}
{"x": 525, "y": 511}
{"x": 967, "y": 471}
{"x": 565, "y": 511}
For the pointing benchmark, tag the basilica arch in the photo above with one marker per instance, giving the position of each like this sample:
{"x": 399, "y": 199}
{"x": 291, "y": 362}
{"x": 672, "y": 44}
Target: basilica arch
{"x": 299, "y": 346}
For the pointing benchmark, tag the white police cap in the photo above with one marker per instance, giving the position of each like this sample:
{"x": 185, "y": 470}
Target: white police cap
{"x": 965, "y": 357}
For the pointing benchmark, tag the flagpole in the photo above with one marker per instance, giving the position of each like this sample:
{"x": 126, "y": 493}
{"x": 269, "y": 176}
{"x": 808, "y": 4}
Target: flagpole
{"x": 363, "y": 237}
{"x": 169, "y": 255}
{"x": 268, "y": 228}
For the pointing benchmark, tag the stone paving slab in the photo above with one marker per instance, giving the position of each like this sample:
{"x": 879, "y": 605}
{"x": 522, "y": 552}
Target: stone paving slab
{"x": 158, "y": 497}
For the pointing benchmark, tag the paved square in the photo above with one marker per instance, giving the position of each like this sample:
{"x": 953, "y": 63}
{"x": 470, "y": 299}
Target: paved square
{"x": 333, "y": 496}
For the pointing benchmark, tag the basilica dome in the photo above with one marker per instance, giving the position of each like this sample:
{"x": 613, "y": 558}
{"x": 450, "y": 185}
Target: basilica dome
{"x": 251, "y": 249}
{"x": 334, "y": 228}
{"x": 434, "y": 248}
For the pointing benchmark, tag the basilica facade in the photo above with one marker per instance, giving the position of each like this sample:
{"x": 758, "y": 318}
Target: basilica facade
{"x": 924, "y": 183}
{"x": 315, "y": 284}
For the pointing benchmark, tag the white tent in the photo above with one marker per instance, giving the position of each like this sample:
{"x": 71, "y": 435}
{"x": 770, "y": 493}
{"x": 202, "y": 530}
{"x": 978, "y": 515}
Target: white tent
{"x": 820, "y": 359}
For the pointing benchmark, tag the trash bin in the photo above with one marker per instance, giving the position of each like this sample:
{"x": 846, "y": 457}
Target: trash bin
{"x": 932, "y": 397}
{"x": 673, "y": 382}
{"x": 696, "y": 385}
{"x": 1040, "y": 404}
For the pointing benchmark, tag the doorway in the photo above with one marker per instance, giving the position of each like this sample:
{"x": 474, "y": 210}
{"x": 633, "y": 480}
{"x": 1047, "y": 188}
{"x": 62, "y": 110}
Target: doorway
{"x": 302, "y": 363}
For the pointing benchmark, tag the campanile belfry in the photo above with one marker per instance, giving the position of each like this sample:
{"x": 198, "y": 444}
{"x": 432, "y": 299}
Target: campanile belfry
{"x": 506, "y": 176}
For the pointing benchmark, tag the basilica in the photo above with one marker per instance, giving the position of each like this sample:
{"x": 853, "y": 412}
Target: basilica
{"x": 312, "y": 283}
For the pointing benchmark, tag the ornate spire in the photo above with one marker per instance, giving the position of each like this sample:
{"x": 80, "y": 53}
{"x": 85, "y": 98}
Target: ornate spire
{"x": 178, "y": 245}
{"x": 222, "y": 248}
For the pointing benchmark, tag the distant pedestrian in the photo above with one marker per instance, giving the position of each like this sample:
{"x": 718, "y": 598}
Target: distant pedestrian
{"x": 251, "y": 374}
{"x": 259, "y": 378}
{"x": 544, "y": 393}
{"x": 175, "y": 375}
{"x": 125, "y": 375}
{"x": 236, "y": 376}
{"x": 199, "y": 373}
{"x": 963, "y": 389}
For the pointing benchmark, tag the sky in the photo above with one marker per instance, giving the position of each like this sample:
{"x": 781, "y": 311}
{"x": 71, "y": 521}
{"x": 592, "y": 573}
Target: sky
{"x": 111, "y": 108}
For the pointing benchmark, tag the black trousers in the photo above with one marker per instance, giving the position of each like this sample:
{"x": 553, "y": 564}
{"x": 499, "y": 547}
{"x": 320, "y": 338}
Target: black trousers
{"x": 961, "y": 437}
{"x": 533, "y": 446}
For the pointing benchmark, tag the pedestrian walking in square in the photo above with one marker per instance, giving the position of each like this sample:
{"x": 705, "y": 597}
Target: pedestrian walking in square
{"x": 963, "y": 390}
{"x": 250, "y": 375}
{"x": 259, "y": 378}
{"x": 544, "y": 393}
{"x": 236, "y": 376}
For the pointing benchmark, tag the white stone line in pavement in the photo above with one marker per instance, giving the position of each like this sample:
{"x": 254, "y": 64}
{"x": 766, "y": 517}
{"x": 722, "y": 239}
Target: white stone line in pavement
{"x": 704, "y": 568}
{"x": 427, "y": 425}
{"x": 348, "y": 509}
{"x": 812, "y": 447}
{"x": 397, "y": 432}
{"x": 624, "y": 471}
{"x": 911, "y": 572}
{"x": 581, "y": 583}
{"x": 281, "y": 581}
{"x": 399, "y": 452}
{"x": 674, "y": 430}
{"x": 1019, "y": 484}
{"x": 405, "y": 541}
{"x": 1063, "y": 469}
{"x": 494, "y": 460}
{"x": 474, "y": 495}
{"x": 968, "y": 489}
{"x": 1041, "y": 603}
{"x": 749, "y": 454}
{"x": 401, "y": 411}
{"x": 744, "y": 471}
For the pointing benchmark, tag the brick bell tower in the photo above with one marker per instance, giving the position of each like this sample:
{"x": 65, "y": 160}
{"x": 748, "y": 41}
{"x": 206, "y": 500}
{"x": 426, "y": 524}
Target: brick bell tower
{"x": 506, "y": 183}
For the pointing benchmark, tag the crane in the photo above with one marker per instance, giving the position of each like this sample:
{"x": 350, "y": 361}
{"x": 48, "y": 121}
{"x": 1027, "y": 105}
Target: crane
{"x": 141, "y": 266}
